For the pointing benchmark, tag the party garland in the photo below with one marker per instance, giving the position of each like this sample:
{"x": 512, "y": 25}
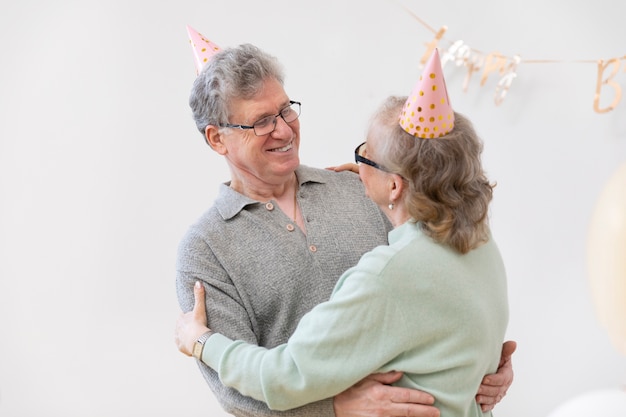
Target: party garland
{"x": 475, "y": 61}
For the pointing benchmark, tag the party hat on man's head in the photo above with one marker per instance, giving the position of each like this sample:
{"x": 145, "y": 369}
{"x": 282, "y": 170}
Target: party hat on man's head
{"x": 203, "y": 49}
{"x": 427, "y": 112}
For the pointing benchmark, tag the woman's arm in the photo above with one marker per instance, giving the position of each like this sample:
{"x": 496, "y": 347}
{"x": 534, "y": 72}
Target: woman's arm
{"x": 356, "y": 400}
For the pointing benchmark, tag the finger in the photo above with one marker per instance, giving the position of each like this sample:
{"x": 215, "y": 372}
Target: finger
{"x": 349, "y": 166}
{"x": 488, "y": 402}
{"x": 199, "y": 308}
{"x": 490, "y": 390}
{"x": 508, "y": 348}
{"x": 487, "y": 407}
{"x": 492, "y": 380}
{"x": 386, "y": 378}
{"x": 401, "y": 395}
{"x": 413, "y": 410}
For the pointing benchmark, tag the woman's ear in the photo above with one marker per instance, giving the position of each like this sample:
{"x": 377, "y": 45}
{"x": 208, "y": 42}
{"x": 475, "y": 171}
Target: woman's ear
{"x": 396, "y": 187}
{"x": 215, "y": 139}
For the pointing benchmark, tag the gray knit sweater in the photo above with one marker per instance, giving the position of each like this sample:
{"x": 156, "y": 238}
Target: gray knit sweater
{"x": 262, "y": 274}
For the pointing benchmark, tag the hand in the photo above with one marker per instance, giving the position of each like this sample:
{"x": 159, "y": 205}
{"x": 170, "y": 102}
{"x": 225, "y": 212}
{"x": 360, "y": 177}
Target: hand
{"x": 495, "y": 386}
{"x": 374, "y": 397}
{"x": 190, "y": 326}
{"x": 345, "y": 167}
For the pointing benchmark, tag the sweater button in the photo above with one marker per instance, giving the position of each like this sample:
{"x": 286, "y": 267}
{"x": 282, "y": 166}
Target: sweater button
{"x": 269, "y": 206}
{"x": 313, "y": 248}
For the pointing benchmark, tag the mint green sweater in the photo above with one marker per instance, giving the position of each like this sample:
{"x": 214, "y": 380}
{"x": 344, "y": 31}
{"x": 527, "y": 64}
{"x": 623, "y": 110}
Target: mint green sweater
{"x": 413, "y": 306}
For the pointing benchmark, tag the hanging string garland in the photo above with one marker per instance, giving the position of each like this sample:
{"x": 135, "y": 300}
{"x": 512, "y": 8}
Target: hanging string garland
{"x": 488, "y": 64}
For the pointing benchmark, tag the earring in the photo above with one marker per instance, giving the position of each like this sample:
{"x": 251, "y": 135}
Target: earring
{"x": 390, "y": 206}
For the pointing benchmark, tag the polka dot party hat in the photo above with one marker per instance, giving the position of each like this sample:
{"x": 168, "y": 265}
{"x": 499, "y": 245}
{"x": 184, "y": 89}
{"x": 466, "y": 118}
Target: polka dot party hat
{"x": 427, "y": 112}
{"x": 203, "y": 49}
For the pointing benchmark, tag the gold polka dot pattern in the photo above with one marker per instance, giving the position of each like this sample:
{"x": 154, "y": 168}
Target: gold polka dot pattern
{"x": 203, "y": 49}
{"x": 427, "y": 112}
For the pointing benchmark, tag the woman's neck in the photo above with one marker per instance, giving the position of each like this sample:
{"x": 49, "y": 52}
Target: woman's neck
{"x": 398, "y": 215}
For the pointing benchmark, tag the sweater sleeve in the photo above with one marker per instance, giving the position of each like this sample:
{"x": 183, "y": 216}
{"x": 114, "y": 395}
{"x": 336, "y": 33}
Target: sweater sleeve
{"x": 195, "y": 262}
{"x": 334, "y": 346}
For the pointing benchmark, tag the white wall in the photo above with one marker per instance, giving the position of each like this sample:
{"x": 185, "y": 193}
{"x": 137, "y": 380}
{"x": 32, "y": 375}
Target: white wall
{"x": 102, "y": 170}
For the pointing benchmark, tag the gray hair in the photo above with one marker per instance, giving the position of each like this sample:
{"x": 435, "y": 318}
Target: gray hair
{"x": 231, "y": 73}
{"x": 448, "y": 189}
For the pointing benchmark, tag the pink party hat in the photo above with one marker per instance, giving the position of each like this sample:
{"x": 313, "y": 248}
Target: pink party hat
{"x": 203, "y": 49}
{"x": 427, "y": 113}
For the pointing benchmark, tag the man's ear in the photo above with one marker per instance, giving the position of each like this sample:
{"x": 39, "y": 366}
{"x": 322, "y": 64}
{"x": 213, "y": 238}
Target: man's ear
{"x": 215, "y": 139}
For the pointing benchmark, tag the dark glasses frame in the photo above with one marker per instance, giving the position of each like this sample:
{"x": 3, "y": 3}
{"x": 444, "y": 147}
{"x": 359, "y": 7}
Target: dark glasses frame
{"x": 361, "y": 159}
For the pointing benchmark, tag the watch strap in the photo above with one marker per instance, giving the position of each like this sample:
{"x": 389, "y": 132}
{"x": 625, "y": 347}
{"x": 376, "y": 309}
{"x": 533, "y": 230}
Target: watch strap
{"x": 198, "y": 345}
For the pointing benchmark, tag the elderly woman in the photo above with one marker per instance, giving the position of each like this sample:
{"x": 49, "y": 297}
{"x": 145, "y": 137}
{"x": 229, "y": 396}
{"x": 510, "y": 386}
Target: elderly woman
{"x": 432, "y": 303}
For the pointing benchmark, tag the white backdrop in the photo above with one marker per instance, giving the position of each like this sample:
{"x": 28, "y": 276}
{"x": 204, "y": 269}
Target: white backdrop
{"x": 102, "y": 170}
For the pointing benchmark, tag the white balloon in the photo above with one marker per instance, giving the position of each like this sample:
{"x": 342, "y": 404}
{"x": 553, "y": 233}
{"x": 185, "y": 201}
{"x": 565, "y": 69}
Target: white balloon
{"x": 606, "y": 258}
{"x": 605, "y": 403}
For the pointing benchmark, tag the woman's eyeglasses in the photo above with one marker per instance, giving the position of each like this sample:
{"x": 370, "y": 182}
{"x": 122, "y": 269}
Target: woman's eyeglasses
{"x": 359, "y": 157}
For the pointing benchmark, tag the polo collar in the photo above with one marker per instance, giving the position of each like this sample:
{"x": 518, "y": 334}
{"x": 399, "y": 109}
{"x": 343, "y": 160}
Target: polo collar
{"x": 230, "y": 202}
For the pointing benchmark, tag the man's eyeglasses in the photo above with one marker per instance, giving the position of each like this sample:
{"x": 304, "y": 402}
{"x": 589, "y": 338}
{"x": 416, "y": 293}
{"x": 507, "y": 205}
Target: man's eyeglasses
{"x": 359, "y": 157}
{"x": 266, "y": 125}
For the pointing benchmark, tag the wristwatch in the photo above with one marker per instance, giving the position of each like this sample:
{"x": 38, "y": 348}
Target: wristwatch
{"x": 199, "y": 345}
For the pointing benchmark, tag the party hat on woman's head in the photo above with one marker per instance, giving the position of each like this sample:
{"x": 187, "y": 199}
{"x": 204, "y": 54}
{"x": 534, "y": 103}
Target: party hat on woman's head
{"x": 427, "y": 112}
{"x": 203, "y": 49}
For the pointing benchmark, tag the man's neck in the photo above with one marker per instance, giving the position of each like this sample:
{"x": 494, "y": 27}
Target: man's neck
{"x": 264, "y": 191}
